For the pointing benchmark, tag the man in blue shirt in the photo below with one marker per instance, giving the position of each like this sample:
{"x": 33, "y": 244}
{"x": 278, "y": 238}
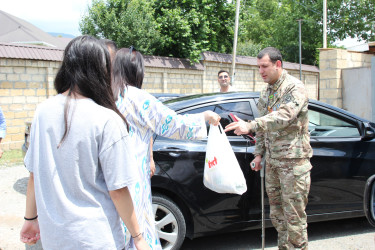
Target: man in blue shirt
{"x": 3, "y": 129}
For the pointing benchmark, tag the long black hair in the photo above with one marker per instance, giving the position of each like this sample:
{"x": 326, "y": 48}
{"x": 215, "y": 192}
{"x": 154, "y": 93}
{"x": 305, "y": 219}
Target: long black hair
{"x": 128, "y": 69}
{"x": 86, "y": 70}
{"x": 111, "y": 46}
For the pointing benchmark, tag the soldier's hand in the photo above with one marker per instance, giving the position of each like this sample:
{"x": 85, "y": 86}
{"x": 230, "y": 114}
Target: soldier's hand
{"x": 256, "y": 163}
{"x": 239, "y": 127}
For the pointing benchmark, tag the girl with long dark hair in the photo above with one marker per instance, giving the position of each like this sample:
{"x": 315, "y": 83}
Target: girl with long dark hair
{"x": 80, "y": 159}
{"x": 147, "y": 115}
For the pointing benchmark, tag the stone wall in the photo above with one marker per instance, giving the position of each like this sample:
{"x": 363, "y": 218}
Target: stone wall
{"x": 331, "y": 62}
{"x": 169, "y": 80}
{"x": 25, "y": 83}
{"x": 188, "y": 81}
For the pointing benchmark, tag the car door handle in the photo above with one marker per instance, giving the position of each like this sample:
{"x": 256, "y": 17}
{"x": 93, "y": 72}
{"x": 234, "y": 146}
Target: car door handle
{"x": 172, "y": 150}
{"x": 175, "y": 155}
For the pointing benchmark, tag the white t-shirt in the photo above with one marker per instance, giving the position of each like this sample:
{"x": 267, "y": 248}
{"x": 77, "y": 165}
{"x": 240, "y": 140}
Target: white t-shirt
{"x": 230, "y": 89}
{"x": 72, "y": 182}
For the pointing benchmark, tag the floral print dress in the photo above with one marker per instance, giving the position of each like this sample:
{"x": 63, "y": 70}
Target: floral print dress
{"x": 146, "y": 115}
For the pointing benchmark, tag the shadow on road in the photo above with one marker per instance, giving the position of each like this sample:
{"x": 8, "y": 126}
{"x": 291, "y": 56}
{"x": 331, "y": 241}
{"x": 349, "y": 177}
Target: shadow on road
{"x": 252, "y": 239}
{"x": 21, "y": 185}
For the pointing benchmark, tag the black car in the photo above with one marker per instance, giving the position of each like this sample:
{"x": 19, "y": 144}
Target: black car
{"x": 343, "y": 174}
{"x": 343, "y": 167}
{"x": 166, "y": 96}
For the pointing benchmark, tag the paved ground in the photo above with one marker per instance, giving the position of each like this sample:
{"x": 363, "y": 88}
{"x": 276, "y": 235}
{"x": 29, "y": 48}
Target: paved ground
{"x": 12, "y": 194}
{"x": 352, "y": 234}
{"x": 13, "y": 182}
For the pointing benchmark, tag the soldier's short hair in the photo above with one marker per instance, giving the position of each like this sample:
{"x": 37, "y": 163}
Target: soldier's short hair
{"x": 273, "y": 53}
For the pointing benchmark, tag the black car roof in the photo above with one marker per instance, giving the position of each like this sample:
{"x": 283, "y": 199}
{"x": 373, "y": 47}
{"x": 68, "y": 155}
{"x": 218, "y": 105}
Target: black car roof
{"x": 193, "y": 100}
{"x": 166, "y": 95}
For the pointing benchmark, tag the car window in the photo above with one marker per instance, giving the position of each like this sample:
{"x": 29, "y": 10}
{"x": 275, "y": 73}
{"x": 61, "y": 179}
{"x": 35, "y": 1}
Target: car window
{"x": 240, "y": 109}
{"x": 321, "y": 124}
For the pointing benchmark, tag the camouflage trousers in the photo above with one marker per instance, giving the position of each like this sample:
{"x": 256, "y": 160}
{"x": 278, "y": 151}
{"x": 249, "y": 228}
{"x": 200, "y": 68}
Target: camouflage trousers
{"x": 288, "y": 186}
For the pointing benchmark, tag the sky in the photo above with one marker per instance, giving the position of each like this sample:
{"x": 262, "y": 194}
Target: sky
{"x": 349, "y": 42}
{"x": 61, "y": 16}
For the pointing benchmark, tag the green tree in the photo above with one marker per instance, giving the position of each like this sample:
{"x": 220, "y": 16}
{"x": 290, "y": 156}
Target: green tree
{"x": 248, "y": 48}
{"x": 185, "y": 28}
{"x": 190, "y": 27}
{"x": 274, "y": 23}
{"x": 163, "y": 27}
{"x": 127, "y": 22}
{"x": 352, "y": 18}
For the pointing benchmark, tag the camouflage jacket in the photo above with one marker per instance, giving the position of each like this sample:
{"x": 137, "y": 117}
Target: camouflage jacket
{"x": 282, "y": 128}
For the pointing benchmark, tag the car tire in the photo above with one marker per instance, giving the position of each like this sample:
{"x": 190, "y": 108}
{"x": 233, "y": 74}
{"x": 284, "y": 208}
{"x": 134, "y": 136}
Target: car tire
{"x": 369, "y": 200}
{"x": 169, "y": 221}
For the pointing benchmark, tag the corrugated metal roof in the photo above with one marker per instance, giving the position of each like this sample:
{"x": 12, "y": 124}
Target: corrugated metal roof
{"x": 249, "y": 60}
{"x": 16, "y": 51}
{"x": 8, "y": 50}
{"x": 295, "y": 66}
{"x": 171, "y": 62}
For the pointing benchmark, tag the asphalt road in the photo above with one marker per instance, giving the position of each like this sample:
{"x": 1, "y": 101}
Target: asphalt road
{"x": 350, "y": 234}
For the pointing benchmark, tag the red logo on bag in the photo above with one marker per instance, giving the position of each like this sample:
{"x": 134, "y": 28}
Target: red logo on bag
{"x": 212, "y": 163}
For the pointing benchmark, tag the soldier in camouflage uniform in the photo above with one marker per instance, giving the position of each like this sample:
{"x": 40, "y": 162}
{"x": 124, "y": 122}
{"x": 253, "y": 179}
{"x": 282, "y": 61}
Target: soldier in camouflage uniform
{"x": 283, "y": 139}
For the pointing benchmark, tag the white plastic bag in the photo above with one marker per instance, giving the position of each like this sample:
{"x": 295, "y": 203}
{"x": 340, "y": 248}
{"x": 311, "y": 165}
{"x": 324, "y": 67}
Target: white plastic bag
{"x": 222, "y": 173}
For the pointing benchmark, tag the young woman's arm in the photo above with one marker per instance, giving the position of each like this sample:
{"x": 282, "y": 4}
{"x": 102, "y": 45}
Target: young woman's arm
{"x": 152, "y": 162}
{"x": 30, "y": 232}
{"x": 124, "y": 206}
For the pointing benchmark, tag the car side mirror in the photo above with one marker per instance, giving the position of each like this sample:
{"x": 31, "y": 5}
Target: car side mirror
{"x": 368, "y": 132}
{"x": 369, "y": 200}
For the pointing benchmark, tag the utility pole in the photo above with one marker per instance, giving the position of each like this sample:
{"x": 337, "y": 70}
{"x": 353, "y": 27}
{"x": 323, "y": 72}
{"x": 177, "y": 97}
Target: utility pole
{"x": 300, "y": 48}
{"x": 235, "y": 41}
{"x": 324, "y": 24}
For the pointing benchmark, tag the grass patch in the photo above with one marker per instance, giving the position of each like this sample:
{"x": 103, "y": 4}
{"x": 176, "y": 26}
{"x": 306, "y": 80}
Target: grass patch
{"x": 11, "y": 158}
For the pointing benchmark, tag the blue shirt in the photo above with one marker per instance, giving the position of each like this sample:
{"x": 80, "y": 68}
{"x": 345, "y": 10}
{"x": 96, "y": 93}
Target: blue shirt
{"x": 3, "y": 126}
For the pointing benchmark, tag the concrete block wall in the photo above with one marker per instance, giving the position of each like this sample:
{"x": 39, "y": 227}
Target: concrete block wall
{"x": 188, "y": 81}
{"x": 331, "y": 62}
{"x": 246, "y": 79}
{"x": 23, "y": 84}
{"x": 169, "y": 80}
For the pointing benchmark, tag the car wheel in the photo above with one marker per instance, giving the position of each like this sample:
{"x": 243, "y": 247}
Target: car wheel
{"x": 369, "y": 200}
{"x": 170, "y": 222}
